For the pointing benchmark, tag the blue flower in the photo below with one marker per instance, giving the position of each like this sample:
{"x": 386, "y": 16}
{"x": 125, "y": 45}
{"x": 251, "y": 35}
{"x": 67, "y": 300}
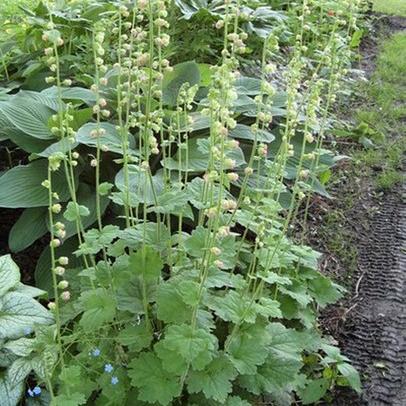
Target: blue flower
{"x": 114, "y": 380}
{"x": 37, "y": 391}
{"x": 108, "y": 368}
{"x": 30, "y": 393}
{"x": 96, "y": 352}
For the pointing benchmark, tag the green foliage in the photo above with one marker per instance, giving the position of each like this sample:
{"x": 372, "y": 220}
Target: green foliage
{"x": 21, "y": 320}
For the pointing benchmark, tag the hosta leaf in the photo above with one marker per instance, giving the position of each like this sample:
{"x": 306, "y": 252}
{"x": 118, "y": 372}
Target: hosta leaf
{"x": 248, "y": 86}
{"x": 30, "y": 121}
{"x": 99, "y": 307}
{"x": 43, "y": 277}
{"x": 147, "y": 263}
{"x": 185, "y": 72}
{"x": 30, "y": 226}
{"x": 20, "y": 312}
{"x": 21, "y": 186}
{"x": 64, "y": 145}
{"x": 243, "y": 131}
{"x": 195, "y": 157}
{"x": 112, "y": 137}
{"x": 214, "y": 381}
{"x": 71, "y": 93}
{"x": 141, "y": 190}
{"x": 9, "y": 274}
{"x": 153, "y": 382}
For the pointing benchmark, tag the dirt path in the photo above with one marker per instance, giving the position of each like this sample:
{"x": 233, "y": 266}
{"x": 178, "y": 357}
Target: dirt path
{"x": 375, "y": 328}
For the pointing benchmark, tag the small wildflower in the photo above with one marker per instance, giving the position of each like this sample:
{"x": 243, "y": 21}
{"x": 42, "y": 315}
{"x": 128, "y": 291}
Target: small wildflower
{"x": 56, "y": 208}
{"x": 218, "y": 263}
{"x": 55, "y": 243}
{"x": 63, "y": 260}
{"x": 248, "y": 171}
{"x": 51, "y": 305}
{"x": 30, "y": 393}
{"x": 114, "y": 380}
{"x": 63, "y": 284}
{"x": 232, "y": 176}
{"x": 65, "y": 296}
{"x": 59, "y": 270}
{"x": 108, "y": 368}
{"x": 96, "y": 352}
{"x": 37, "y": 391}
{"x": 215, "y": 251}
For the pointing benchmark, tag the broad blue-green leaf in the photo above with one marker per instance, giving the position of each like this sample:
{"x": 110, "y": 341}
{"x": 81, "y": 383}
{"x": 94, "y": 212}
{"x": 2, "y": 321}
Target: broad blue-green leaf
{"x": 111, "y": 138}
{"x": 243, "y": 131}
{"x": 9, "y": 274}
{"x": 29, "y": 121}
{"x": 142, "y": 188}
{"x": 30, "y": 226}
{"x": 20, "y": 312}
{"x": 71, "y": 93}
{"x": 43, "y": 277}
{"x": 195, "y": 157}
{"x": 21, "y": 185}
{"x": 248, "y": 86}
{"x": 185, "y": 72}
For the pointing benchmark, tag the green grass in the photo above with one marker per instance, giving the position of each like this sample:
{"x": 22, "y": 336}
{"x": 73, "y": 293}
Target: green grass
{"x": 384, "y": 111}
{"x": 10, "y": 8}
{"x": 395, "y": 7}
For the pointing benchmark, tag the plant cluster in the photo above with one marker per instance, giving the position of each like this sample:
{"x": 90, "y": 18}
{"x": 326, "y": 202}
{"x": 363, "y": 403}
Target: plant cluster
{"x": 168, "y": 193}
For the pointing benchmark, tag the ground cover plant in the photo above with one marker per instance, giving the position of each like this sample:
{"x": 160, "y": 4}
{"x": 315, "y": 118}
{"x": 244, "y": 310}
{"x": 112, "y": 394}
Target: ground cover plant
{"x": 168, "y": 191}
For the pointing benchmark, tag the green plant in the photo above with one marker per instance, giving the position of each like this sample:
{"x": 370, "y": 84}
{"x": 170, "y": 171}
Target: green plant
{"x": 26, "y": 334}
